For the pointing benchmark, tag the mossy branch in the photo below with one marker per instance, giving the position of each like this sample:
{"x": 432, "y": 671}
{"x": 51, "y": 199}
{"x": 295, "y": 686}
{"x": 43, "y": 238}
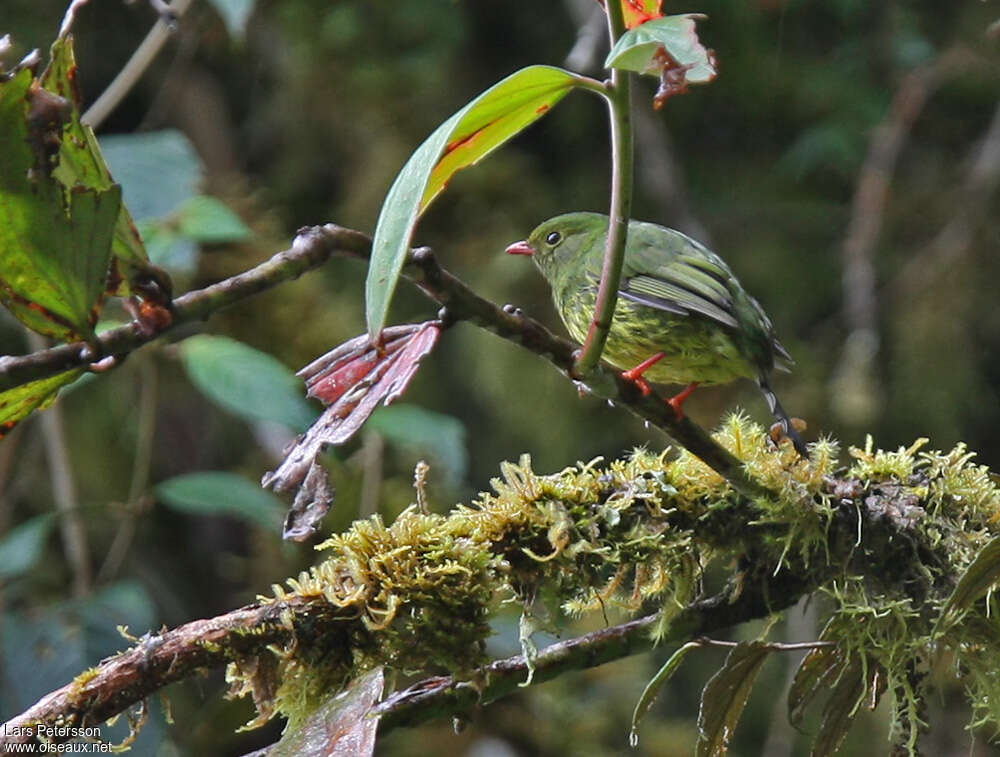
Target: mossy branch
{"x": 887, "y": 542}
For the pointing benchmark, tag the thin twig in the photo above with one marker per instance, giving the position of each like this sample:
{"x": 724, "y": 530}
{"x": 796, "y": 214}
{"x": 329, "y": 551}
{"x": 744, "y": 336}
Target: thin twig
{"x": 591, "y": 38}
{"x": 304, "y": 255}
{"x": 64, "y": 493}
{"x": 135, "y": 503}
{"x": 132, "y": 71}
{"x": 954, "y": 240}
{"x": 871, "y": 196}
{"x": 312, "y": 247}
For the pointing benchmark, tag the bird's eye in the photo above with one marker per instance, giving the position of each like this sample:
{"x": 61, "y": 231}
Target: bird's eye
{"x": 553, "y": 238}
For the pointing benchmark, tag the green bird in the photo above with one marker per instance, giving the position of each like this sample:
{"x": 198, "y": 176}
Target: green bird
{"x": 682, "y": 317}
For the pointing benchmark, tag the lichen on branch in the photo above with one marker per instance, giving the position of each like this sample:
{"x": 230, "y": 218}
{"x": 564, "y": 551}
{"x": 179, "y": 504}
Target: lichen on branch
{"x": 890, "y": 541}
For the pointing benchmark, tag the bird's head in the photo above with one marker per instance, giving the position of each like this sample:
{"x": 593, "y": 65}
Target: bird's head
{"x": 563, "y": 242}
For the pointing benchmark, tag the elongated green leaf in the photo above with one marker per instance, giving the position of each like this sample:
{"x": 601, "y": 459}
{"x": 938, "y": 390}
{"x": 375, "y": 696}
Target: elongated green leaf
{"x": 725, "y": 696}
{"x": 55, "y": 241}
{"x": 639, "y": 49}
{"x": 81, "y": 162}
{"x": 21, "y": 401}
{"x": 473, "y": 132}
{"x": 653, "y": 688}
{"x": 218, "y": 493}
{"x": 207, "y": 219}
{"x": 246, "y": 381}
{"x": 21, "y": 548}
{"x": 982, "y": 575}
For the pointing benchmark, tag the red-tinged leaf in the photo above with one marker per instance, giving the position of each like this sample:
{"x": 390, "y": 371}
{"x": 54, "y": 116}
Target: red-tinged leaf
{"x": 669, "y": 48}
{"x": 55, "y": 241}
{"x": 725, "y": 696}
{"x": 483, "y": 125}
{"x": 81, "y": 163}
{"x": 340, "y": 727}
{"x": 328, "y": 377}
{"x": 17, "y": 403}
{"x": 638, "y": 12}
{"x": 353, "y": 379}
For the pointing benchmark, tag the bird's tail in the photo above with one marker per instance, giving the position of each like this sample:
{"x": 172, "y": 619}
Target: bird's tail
{"x": 779, "y": 413}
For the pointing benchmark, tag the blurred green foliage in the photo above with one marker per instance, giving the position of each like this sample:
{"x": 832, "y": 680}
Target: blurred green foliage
{"x": 307, "y": 118}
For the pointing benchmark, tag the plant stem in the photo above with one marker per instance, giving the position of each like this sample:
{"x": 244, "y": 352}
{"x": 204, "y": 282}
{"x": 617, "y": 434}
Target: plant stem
{"x": 619, "y": 113}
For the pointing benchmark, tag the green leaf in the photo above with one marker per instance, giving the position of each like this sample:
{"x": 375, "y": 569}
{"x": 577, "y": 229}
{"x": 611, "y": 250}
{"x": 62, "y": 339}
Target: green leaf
{"x": 167, "y": 248}
{"x": 246, "y": 381}
{"x": 167, "y": 155}
{"x": 463, "y": 140}
{"x": 725, "y": 696}
{"x": 19, "y": 402}
{"x": 218, "y": 493}
{"x": 638, "y": 49}
{"x": 440, "y": 436}
{"x": 653, "y": 688}
{"x": 55, "y": 240}
{"x": 81, "y": 162}
{"x": 235, "y": 14}
{"x": 981, "y": 576}
{"x": 22, "y": 546}
{"x": 172, "y": 240}
{"x": 208, "y": 220}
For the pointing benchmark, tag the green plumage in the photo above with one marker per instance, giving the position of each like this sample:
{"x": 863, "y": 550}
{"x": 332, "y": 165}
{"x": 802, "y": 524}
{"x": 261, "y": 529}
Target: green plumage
{"x": 676, "y": 297}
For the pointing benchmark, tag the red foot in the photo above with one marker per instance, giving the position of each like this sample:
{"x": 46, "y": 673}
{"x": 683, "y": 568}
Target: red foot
{"x": 677, "y": 401}
{"x": 635, "y": 374}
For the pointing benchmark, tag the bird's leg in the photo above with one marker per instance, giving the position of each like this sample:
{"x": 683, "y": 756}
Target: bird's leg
{"x": 677, "y": 401}
{"x": 635, "y": 374}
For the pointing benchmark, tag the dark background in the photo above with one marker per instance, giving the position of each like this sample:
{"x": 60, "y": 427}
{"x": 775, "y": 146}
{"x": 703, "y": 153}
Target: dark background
{"x": 308, "y": 117}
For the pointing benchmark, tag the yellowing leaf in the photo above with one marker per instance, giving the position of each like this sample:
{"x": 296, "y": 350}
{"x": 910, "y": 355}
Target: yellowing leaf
{"x": 463, "y": 140}
{"x": 18, "y": 403}
{"x": 638, "y": 12}
{"x": 81, "y": 163}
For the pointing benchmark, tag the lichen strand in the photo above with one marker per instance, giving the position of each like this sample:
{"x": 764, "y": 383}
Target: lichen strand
{"x": 926, "y": 517}
{"x": 887, "y": 541}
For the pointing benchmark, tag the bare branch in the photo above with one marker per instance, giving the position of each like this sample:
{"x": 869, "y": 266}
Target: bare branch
{"x": 312, "y": 247}
{"x": 438, "y": 697}
{"x": 854, "y": 374}
{"x": 141, "y": 59}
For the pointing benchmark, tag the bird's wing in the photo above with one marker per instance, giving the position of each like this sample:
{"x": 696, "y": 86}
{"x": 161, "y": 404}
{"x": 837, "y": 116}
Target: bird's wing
{"x": 684, "y": 283}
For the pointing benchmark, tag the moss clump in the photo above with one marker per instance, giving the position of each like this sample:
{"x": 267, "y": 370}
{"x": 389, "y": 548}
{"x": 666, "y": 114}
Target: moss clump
{"x": 887, "y": 541}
